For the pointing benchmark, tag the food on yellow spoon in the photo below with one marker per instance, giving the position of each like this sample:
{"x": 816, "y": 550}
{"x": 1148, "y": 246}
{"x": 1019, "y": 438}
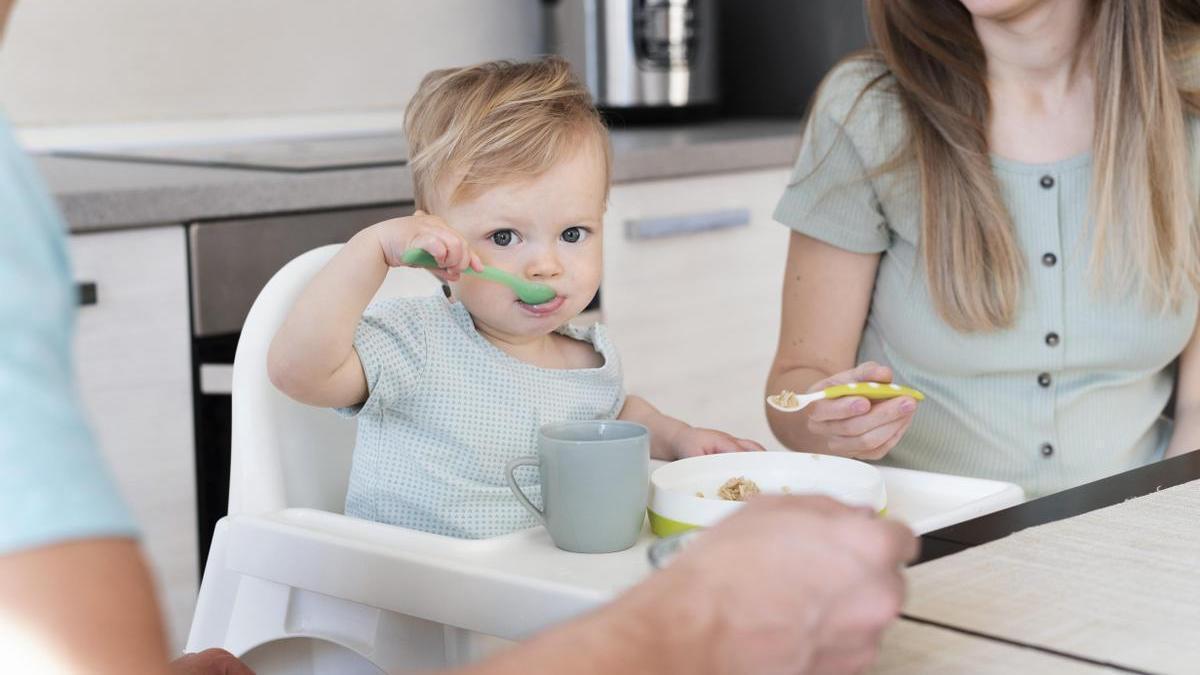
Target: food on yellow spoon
{"x": 738, "y": 489}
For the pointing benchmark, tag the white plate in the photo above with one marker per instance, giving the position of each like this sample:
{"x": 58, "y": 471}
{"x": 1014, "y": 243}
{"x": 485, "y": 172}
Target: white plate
{"x": 927, "y": 501}
{"x": 675, "y": 506}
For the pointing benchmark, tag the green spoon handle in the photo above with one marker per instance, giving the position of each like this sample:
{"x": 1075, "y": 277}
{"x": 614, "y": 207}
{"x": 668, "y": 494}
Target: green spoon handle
{"x": 529, "y": 292}
{"x": 422, "y": 258}
{"x": 419, "y": 257}
{"x": 497, "y": 275}
{"x": 872, "y": 390}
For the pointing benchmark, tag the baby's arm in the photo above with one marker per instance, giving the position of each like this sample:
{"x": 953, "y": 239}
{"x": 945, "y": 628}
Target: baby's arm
{"x": 312, "y": 357}
{"x": 672, "y": 439}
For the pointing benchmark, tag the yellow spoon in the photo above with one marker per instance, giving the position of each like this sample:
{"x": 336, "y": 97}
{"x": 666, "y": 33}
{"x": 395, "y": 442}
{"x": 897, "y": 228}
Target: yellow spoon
{"x": 787, "y": 401}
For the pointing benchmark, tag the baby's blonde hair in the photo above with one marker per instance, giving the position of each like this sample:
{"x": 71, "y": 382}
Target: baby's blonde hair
{"x": 497, "y": 121}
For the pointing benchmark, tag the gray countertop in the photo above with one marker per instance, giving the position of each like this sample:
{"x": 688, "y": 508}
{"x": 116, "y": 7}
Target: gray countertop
{"x": 97, "y": 194}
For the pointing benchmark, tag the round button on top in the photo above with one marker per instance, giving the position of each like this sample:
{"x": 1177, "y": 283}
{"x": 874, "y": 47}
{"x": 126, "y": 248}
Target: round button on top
{"x": 1047, "y": 449}
{"x": 1052, "y": 339}
{"x": 1044, "y": 379}
{"x": 1049, "y": 259}
{"x": 1047, "y": 182}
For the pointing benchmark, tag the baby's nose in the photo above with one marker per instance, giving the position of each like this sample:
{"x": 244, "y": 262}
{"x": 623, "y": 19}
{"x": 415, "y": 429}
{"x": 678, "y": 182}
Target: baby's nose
{"x": 545, "y": 266}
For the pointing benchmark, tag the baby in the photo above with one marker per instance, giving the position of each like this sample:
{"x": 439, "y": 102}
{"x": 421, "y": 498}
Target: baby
{"x": 510, "y": 164}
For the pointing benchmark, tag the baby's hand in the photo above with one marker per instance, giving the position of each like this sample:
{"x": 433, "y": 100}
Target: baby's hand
{"x": 432, "y": 234}
{"x": 693, "y": 442}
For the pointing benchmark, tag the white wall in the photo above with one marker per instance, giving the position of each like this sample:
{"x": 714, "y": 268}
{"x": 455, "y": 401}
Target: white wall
{"x": 91, "y": 62}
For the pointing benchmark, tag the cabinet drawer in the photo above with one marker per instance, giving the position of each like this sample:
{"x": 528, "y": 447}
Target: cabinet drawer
{"x": 145, "y": 434}
{"x": 695, "y": 313}
{"x": 133, "y": 331}
{"x": 133, "y": 359}
{"x": 231, "y": 260}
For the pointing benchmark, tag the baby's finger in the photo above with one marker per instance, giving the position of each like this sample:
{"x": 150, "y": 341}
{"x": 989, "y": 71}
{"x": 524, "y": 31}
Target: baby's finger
{"x": 476, "y": 262}
{"x": 750, "y": 446}
{"x": 431, "y": 245}
{"x": 456, "y": 254}
{"x": 838, "y": 409}
{"x": 444, "y": 276}
{"x": 464, "y": 256}
{"x": 725, "y": 444}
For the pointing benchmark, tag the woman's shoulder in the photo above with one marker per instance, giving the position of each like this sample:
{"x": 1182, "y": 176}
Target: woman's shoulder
{"x": 859, "y": 97}
{"x": 857, "y": 90}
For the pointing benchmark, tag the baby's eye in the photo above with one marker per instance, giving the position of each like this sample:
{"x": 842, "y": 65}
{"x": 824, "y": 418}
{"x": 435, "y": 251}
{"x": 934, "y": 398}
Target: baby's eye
{"x": 502, "y": 238}
{"x": 574, "y": 235}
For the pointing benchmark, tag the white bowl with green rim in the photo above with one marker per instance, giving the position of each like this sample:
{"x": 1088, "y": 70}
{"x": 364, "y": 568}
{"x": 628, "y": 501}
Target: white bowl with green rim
{"x": 676, "y": 507}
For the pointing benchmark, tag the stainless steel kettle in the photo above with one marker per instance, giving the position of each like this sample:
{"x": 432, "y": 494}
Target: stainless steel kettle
{"x": 639, "y": 54}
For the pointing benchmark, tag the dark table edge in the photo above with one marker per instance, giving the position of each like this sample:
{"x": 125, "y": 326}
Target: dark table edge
{"x": 1088, "y": 497}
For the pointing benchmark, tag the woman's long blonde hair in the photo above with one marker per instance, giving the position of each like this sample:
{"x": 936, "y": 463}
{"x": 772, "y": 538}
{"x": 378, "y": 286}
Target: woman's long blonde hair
{"x": 1144, "y": 203}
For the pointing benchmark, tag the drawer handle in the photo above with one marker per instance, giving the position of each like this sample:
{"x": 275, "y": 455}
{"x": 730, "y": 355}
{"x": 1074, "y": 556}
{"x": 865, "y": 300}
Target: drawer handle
{"x": 87, "y": 293}
{"x": 673, "y": 226}
{"x": 216, "y": 379}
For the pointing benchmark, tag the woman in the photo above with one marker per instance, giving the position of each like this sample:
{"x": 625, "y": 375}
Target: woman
{"x": 999, "y": 202}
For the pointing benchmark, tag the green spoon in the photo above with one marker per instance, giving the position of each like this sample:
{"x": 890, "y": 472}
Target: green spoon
{"x": 530, "y": 293}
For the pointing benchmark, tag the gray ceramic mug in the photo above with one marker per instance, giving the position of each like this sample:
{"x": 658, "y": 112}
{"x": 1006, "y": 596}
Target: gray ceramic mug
{"x": 595, "y": 478}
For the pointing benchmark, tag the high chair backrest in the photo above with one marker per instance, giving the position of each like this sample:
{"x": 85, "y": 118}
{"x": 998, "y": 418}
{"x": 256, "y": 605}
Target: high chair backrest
{"x": 284, "y": 453}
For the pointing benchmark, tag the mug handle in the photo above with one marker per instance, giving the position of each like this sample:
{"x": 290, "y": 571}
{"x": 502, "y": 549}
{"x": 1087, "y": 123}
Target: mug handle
{"x": 512, "y": 484}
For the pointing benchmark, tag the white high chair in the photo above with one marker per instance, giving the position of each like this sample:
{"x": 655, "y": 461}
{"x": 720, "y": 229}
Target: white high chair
{"x": 289, "y": 585}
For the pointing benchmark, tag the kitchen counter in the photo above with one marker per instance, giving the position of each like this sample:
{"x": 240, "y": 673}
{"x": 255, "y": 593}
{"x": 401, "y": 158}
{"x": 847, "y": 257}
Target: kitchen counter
{"x": 100, "y": 194}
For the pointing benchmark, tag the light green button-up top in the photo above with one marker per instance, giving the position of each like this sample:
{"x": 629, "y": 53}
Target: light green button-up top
{"x": 1074, "y": 391}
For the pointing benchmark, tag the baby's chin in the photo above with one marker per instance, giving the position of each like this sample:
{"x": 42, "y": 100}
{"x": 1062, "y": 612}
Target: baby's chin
{"x": 512, "y": 317}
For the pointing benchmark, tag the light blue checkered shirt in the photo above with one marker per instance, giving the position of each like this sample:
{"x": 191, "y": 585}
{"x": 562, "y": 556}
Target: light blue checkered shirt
{"x": 54, "y": 485}
{"x": 447, "y": 410}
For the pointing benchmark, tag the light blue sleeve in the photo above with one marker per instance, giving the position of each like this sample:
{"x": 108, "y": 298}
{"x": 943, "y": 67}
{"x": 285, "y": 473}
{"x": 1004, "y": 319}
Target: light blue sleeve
{"x": 392, "y": 344}
{"x": 54, "y": 486}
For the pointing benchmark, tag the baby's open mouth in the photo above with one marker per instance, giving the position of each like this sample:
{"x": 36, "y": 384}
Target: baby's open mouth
{"x": 544, "y": 309}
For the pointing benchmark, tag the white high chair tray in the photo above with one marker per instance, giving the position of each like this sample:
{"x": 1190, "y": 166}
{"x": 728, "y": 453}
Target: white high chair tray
{"x": 518, "y": 584}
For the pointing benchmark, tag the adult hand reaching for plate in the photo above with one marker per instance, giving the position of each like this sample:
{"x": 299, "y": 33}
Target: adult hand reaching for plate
{"x": 814, "y": 584}
{"x": 864, "y": 426}
{"x": 788, "y": 584}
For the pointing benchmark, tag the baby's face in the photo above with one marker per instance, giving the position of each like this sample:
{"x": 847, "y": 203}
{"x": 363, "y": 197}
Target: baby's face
{"x": 548, "y": 230}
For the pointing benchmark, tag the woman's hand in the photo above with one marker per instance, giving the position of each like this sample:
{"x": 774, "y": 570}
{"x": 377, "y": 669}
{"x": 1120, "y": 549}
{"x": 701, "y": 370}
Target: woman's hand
{"x": 854, "y": 426}
{"x": 431, "y": 234}
{"x": 693, "y": 442}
